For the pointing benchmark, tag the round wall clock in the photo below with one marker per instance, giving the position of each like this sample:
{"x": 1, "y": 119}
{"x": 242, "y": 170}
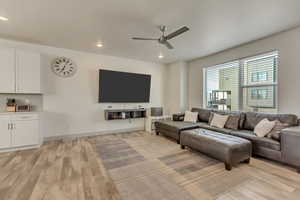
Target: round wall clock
{"x": 64, "y": 67}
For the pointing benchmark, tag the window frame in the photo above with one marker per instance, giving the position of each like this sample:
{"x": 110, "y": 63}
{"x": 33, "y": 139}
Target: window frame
{"x": 274, "y": 84}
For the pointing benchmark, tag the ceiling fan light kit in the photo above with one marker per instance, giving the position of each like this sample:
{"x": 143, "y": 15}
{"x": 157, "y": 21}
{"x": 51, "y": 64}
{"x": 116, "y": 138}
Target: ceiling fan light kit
{"x": 164, "y": 39}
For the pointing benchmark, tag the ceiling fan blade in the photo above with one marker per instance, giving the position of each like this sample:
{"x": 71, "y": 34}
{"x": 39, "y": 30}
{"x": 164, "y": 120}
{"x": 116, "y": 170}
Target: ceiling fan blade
{"x": 138, "y": 38}
{"x": 169, "y": 45}
{"x": 176, "y": 33}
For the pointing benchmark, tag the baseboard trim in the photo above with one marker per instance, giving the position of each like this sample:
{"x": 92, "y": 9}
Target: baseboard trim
{"x": 20, "y": 148}
{"x": 71, "y": 136}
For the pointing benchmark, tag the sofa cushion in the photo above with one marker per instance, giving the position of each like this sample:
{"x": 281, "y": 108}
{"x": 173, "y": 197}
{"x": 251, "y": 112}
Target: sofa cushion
{"x": 232, "y": 113}
{"x": 257, "y": 141}
{"x": 264, "y": 127}
{"x": 175, "y": 125}
{"x": 276, "y": 131}
{"x": 267, "y": 143}
{"x": 190, "y": 116}
{"x": 203, "y": 114}
{"x": 208, "y": 127}
{"x": 178, "y": 117}
{"x": 219, "y": 121}
{"x": 253, "y": 118}
{"x": 232, "y": 122}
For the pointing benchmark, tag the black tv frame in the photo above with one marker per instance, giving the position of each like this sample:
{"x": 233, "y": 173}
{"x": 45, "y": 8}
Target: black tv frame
{"x": 130, "y": 73}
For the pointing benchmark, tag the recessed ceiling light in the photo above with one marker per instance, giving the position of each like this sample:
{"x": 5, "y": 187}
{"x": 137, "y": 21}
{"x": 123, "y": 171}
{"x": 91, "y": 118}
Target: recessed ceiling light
{"x": 3, "y": 18}
{"x": 99, "y": 45}
{"x": 160, "y": 56}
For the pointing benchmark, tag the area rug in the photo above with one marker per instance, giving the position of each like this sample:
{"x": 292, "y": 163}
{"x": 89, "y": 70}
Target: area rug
{"x": 145, "y": 166}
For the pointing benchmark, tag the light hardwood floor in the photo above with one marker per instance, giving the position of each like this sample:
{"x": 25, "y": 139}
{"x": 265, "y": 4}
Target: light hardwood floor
{"x": 59, "y": 170}
{"x": 136, "y": 166}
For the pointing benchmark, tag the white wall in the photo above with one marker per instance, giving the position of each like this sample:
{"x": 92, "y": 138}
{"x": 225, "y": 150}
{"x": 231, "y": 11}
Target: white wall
{"x": 288, "y": 44}
{"x": 176, "y": 93}
{"x": 70, "y": 105}
{"x": 184, "y": 87}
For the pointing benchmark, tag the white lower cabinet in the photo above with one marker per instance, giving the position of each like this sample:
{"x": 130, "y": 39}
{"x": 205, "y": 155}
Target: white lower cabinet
{"x": 19, "y": 130}
{"x": 5, "y": 133}
{"x": 25, "y": 133}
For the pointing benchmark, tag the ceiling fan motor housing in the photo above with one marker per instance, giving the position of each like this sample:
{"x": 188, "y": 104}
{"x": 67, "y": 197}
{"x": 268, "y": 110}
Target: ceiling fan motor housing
{"x": 162, "y": 39}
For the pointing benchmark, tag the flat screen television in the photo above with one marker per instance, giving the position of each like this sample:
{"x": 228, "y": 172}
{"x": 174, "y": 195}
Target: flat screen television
{"x": 123, "y": 87}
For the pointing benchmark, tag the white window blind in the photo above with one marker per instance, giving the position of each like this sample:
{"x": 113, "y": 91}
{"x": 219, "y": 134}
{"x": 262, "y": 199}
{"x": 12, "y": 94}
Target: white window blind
{"x": 248, "y": 84}
{"x": 260, "y": 82}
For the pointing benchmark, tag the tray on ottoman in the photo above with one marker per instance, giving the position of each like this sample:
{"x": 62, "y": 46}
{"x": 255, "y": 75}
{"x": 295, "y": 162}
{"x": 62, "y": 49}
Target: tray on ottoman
{"x": 227, "y": 148}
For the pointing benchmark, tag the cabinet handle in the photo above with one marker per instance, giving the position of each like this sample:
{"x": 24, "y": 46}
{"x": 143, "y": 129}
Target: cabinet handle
{"x": 8, "y": 126}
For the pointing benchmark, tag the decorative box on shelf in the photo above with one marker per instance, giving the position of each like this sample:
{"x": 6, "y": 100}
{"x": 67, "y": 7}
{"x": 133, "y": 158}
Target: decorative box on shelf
{"x": 150, "y": 121}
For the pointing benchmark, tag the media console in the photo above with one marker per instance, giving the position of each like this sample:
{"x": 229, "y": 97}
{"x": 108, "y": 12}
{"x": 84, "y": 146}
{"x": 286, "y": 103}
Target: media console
{"x": 118, "y": 114}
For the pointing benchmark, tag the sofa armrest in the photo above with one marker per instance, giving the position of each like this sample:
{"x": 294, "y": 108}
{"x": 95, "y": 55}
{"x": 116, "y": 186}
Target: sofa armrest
{"x": 290, "y": 145}
{"x": 178, "y": 117}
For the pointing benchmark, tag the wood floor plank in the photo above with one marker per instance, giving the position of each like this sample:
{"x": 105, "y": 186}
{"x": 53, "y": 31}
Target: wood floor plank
{"x": 137, "y": 166}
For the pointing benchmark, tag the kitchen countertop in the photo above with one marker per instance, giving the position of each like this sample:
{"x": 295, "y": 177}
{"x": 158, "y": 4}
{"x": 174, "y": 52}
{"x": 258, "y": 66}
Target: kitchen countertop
{"x": 19, "y": 113}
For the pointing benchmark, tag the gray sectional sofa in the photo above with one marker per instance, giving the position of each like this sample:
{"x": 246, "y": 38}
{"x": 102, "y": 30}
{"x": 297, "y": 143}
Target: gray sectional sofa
{"x": 286, "y": 149}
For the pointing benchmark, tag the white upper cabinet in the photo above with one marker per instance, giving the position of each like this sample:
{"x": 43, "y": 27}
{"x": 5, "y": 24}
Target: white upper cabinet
{"x": 20, "y": 71}
{"x": 7, "y": 70}
{"x": 28, "y": 72}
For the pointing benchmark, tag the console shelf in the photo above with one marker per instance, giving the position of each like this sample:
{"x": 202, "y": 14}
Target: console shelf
{"x": 119, "y": 114}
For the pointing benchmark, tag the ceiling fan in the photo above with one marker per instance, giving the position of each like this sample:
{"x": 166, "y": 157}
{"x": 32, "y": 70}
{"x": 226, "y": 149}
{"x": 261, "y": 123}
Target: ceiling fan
{"x": 164, "y": 39}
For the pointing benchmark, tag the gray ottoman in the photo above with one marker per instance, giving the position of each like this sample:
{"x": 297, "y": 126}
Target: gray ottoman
{"x": 228, "y": 149}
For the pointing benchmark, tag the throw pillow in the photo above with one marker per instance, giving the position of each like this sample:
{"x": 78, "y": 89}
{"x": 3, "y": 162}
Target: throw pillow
{"x": 264, "y": 127}
{"x": 219, "y": 121}
{"x": 190, "y": 116}
{"x": 233, "y": 122}
{"x": 275, "y": 132}
{"x": 211, "y": 116}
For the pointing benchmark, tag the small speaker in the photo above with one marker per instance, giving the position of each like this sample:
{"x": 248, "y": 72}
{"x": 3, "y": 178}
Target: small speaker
{"x": 156, "y": 111}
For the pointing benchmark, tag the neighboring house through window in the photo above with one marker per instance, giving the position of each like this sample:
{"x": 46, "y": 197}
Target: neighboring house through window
{"x": 259, "y": 94}
{"x": 259, "y": 76}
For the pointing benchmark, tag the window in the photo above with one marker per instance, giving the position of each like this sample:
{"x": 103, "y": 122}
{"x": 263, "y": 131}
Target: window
{"x": 259, "y": 94}
{"x": 222, "y": 86}
{"x": 248, "y": 84}
{"x": 259, "y": 76}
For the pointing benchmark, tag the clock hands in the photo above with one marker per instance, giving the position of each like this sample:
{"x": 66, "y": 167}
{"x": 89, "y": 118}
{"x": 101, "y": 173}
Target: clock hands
{"x": 63, "y": 69}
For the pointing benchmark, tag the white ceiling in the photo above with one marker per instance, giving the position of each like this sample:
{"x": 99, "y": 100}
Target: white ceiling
{"x": 78, "y": 24}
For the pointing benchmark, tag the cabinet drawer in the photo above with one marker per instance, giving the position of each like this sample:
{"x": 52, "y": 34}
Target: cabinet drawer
{"x": 25, "y": 117}
{"x": 4, "y": 117}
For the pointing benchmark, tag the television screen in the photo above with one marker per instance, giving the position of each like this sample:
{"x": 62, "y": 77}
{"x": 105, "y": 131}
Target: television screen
{"x": 123, "y": 87}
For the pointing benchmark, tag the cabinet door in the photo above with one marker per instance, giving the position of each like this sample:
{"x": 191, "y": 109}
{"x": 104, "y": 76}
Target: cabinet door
{"x": 5, "y": 133}
{"x": 28, "y": 72}
{"x": 7, "y": 70}
{"x": 25, "y": 133}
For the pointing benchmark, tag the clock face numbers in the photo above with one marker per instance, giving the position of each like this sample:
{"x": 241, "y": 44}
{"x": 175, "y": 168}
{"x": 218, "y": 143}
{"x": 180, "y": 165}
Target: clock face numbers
{"x": 64, "y": 67}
